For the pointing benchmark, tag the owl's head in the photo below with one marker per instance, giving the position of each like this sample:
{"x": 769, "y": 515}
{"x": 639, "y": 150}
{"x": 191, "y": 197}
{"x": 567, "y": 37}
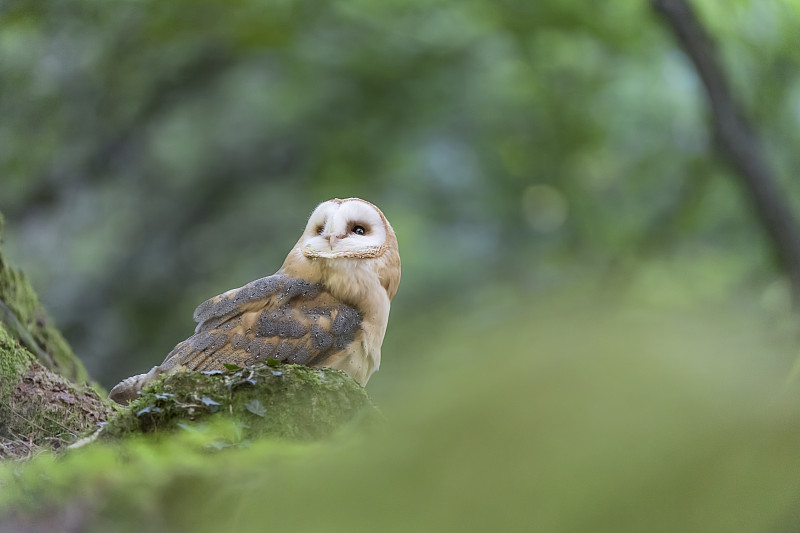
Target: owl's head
{"x": 351, "y": 236}
{"x": 350, "y": 228}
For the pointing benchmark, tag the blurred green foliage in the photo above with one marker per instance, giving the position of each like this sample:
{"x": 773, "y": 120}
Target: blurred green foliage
{"x": 155, "y": 154}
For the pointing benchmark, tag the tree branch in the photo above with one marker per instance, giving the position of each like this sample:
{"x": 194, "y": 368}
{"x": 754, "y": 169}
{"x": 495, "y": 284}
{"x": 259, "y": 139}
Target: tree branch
{"x": 736, "y": 140}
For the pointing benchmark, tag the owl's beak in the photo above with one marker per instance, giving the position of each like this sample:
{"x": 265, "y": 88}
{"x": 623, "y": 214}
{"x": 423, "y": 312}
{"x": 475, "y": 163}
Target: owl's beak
{"x": 333, "y": 239}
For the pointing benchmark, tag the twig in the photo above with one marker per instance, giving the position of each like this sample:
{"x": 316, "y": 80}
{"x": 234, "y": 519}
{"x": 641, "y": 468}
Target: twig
{"x": 736, "y": 139}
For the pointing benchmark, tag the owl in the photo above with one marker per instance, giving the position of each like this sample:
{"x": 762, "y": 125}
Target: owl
{"x": 327, "y": 306}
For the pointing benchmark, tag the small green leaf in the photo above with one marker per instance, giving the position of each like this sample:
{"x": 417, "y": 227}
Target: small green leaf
{"x": 256, "y": 407}
{"x": 231, "y": 366}
{"x": 273, "y": 362}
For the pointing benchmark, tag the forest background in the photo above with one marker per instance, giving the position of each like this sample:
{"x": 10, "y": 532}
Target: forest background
{"x": 582, "y": 258}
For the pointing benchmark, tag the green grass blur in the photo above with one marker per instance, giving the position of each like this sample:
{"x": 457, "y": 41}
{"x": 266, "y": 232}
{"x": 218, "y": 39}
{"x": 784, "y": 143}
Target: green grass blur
{"x": 581, "y": 410}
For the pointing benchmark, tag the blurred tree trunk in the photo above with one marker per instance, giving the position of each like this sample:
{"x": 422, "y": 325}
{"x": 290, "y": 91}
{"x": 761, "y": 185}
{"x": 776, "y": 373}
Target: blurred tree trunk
{"x": 736, "y": 140}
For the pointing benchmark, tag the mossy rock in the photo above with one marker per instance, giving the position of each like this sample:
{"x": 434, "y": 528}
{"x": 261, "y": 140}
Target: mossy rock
{"x": 284, "y": 401}
{"x": 39, "y": 408}
{"x": 25, "y": 319}
{"x": 44, "y": 397}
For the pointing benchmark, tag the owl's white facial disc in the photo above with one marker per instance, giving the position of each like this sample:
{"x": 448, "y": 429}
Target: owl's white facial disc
{"x": 349, "y": 228}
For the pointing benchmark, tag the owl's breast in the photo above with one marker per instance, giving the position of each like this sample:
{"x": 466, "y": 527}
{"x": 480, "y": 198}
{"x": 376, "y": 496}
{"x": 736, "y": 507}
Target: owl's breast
{"x": 359, "y": 360}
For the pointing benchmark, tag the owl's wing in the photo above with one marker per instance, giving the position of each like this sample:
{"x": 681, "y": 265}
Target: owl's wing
{"x": 277, "y": 317}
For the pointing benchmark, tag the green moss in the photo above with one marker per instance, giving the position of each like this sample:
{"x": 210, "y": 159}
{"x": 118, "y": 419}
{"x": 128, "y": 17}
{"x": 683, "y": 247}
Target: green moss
{"x": 38, "y": 406}
{"x": 25, "y": 320}
{"x": 13, "y": 361}
{"x": 133, "y": 478}
{"x": 289, "y": 401}
{"x": 44, "y": 400}
{"x": 270, "y": 413}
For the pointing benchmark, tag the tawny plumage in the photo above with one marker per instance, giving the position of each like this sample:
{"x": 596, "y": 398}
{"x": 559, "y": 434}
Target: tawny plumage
{"x": 327, "y": 306}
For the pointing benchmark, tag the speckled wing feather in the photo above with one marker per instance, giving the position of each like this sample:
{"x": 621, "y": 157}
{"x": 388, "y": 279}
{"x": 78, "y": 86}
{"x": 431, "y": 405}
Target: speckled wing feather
{"x": 277, "y": 317}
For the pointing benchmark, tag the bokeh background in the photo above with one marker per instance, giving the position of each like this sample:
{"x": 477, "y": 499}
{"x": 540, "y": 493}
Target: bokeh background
{"x": 564, "y": 222}
{"x": 154, "y": 157}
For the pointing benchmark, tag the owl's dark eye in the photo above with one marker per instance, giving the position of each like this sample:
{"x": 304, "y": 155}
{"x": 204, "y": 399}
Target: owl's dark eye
{"x": 320, "y": 229}
{"x": 358, "y": 230}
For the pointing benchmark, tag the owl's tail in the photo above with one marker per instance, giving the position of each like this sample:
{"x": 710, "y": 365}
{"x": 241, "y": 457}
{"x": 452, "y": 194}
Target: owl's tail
{"x": 128, "y": 389}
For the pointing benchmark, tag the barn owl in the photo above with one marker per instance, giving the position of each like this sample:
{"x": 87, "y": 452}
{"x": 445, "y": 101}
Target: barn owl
{"x": 327, "y": 306}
